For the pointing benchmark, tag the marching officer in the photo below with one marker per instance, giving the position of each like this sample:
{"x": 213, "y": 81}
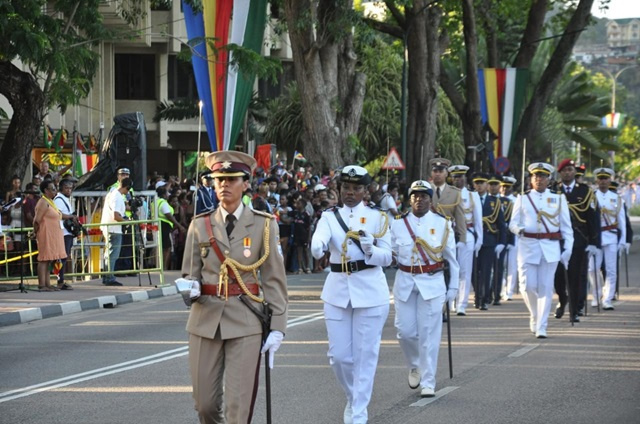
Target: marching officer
{"x": 422, "y": 242}
{"x": 207, "y": 200}
{"x": 509, "y": 285}
{"x": 446, "y": 199}
{"x": 224, "y": 251}
{"x": 355, "y": 293}
{"x": 586, "y": 241}
{"x": 495, "y": 182}
{"x": 494, "y": 239}
{"x": 541, "y": 219}
{"x": 472, "y": 209}
{"x": 613, "y": 239}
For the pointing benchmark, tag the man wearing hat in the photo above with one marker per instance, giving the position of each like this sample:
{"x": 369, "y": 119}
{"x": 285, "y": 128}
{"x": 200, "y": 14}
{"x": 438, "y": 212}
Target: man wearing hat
{"x": 473, "y": 221}
{"x": 446, "y": 199}
{"x": 541, "y": 219}
{"x": 125, "y": 261}
{"x": 224, "y": 251}
{"x": 495, "y": 185}
{"x": 207, "y": 199}
{"x": 494, "y": 238}
{"x": 355, "y": 293}
{"x": 613, "y": 239}
{"x": 586, "y": 241}
{"x": 422, "y": 242}
{"x": 509, "y": 284}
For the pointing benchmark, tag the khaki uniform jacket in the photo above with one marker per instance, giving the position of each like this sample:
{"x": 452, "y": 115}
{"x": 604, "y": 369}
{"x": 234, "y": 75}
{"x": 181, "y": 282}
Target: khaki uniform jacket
{"x": 450, "y": 205}
{"x": 232, "y": 317}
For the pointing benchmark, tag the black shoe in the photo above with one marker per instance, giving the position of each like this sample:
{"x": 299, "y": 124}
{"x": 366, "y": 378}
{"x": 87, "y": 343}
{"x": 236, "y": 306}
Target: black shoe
{"x": 496, "y": 303}
{"x": 559, "y": 311}
{"x": 65, "y": 286}
{"x": 576, "y": 318}
{"x": 484, "y": 307}
{"x": 444, "y": 317}
{"x": 113, "y": 283}
{"x": 581, "y": 312}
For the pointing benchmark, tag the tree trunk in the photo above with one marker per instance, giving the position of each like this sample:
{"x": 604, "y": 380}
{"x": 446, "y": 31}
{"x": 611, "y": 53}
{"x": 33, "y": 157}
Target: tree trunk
{"x": 424, "y": 73}
{"x": 331, "y": 91}
{"x": 531, "y": 35}
{"x": 27, "y": 100}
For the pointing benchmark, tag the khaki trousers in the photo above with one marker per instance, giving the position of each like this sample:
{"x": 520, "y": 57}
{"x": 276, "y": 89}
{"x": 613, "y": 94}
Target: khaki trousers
{"x": 225, "y": 376}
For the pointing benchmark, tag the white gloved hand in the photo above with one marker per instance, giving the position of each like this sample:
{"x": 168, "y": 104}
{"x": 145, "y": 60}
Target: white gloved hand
{"x": 460, "y": 245}
{"x": 591, "y": 250}
{"x": 564, "y": 258}
{"x": 499, "y": 249}
{"x": 510, "y": 247}
{"x": 272, "y": 344}
{"x": 189, "y": 289}
{"x": 366, "y": 241}
{"x": 452, "y": 293}
{"x": 477, "y": 247}
{"x": 621, "y": 247}
{"x": 627, "y": 246}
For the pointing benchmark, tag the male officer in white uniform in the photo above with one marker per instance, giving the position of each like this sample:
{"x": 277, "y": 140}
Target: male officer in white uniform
{"x": 614, "y": 236}
{"x": 355, "y": 293}
{"x": 473, "y": 217}
{"x": 422, "y": 241}
{"x": 509, "y": 285}
{"x": 540, "y": 219}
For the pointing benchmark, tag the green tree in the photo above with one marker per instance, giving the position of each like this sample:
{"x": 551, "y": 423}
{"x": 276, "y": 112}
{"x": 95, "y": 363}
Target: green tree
{"x": 627, "y": 159}
{"x": 53, "y": 41}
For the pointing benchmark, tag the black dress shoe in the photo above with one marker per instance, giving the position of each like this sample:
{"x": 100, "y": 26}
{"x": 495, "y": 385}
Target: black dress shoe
{"x": 581, "y": 312}
{"x": 576, "y": 318}
{"x": 444, "y": 317}
{"x": 114, "y": 283}
{"x": 484, "y": 307}
{"x": 559, "y": 312}
{"x": 496, "y": 303}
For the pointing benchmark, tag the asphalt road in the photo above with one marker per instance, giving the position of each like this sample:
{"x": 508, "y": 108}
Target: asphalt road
{"x": 129, "y": 365}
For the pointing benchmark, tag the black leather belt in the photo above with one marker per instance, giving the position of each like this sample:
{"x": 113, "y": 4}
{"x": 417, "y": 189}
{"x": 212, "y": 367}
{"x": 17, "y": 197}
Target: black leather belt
{"x": 354, "y": 266}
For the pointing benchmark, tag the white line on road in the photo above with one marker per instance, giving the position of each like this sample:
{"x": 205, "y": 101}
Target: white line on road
{"x": 121, "y": 367}
{"x": 439, "y": 394}
{"x": 526, "y": 349}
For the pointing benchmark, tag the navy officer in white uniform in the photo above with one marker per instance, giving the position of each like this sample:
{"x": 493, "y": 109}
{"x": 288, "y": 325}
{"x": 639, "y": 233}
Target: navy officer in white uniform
{"x": 355, "y": 293}
{"x": 540, "y": 219}
{"x": 422, "y": 241}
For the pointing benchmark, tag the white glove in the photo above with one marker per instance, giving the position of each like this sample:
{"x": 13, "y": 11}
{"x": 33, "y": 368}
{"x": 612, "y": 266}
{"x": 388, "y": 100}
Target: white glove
{"x": 272, "y": 344}
{"x": 499, "y": 249}
{"x": 189, "y": 289}
{"x": 591, "y": 250}
{"x": 564, "y": 258}
{"x": 366, "y": 241}
{"x": 460, "y": 245}
{"x": 626, "y": 247}
{"x": 510, "y": 247}
{"x": 621, "y": 247}
{"x": 477, "y": 247}
{"x": 451, "y": 294}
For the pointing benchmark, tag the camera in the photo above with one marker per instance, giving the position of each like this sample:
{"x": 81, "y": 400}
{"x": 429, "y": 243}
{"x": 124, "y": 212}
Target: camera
{"x": 135, "y": 204}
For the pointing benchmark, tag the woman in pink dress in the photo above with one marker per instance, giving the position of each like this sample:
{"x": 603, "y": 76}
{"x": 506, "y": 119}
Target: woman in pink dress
{"x": 48, "y": 229}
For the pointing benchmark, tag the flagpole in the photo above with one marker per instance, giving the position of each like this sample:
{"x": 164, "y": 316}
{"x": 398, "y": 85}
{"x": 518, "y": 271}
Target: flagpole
{"x": 195, "y": 195}
{"x": 74, "y": 148}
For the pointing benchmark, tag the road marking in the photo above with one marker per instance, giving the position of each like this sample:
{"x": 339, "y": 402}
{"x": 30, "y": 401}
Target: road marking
{"x": 439, "y": 394}
{"x": 123, "y": 366}
{"x": 526, "y": 349}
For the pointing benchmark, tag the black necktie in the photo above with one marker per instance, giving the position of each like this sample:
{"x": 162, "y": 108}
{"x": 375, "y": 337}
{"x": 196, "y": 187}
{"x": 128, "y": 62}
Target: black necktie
{"x": 568, "y": 189}
{"x": 438, "y": 192}
{"x": 231, "y": 223}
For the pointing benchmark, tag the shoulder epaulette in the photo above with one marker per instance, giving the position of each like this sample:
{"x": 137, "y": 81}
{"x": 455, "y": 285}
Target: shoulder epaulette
{"x": 555, "y": 191}
{"x": 331, "y": 209}
{"x": 401, "y": 216}
{"x": 442, "y": 215}
{"x": 205, "y": 213}
{"x": 373, "y": 206}
{"x": 454, "y": 188}
{"x": 262, "y": 213}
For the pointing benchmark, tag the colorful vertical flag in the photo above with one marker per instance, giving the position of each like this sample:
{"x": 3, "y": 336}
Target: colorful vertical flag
{"x": 60, "y": 139}
{"x": 47, "y": 136}
{"x": 80, "y": 147}
{"x": 224, "y": 90}
{"x": 93, "y": 144}
{"x": 612, "y": 120}
{"x": 84, "y": 163}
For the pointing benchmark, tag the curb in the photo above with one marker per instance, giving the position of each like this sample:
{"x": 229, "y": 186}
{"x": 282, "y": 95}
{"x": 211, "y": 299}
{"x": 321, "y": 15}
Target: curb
{"x": 68, "y": 308}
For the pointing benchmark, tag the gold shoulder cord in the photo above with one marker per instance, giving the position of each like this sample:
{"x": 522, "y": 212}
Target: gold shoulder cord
{"x": 441, "y": 207}
{"x": 508, "y": 211}
{"x": 431, "y": 251}
{"x": 612, "y": 213}
{"x": 491, "y": 219}
{"x": 356, "y": 236}
{"x": 223, "y": 282}
{"x": 578, "y": 208}
{"x": 551, "y": 216}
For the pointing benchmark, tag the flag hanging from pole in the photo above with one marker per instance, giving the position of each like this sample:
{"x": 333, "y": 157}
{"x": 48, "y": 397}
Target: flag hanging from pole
{"x": 47, "y": 136}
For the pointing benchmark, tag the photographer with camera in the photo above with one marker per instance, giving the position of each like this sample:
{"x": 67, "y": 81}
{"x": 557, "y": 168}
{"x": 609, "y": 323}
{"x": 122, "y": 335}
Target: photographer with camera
{"x": 68, "y": 221}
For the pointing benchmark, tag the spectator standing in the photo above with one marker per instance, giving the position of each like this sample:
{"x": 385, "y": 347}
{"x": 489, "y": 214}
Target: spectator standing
{"x": 64, "y": 204}
{"x": 301, "y": 233}
{"x": 47, "y": 227}
{"x": 284, "y": 215}
{"x": 113, "y": 212}
{"x": 167, "y": 222}
{"x": 16, "y": 184}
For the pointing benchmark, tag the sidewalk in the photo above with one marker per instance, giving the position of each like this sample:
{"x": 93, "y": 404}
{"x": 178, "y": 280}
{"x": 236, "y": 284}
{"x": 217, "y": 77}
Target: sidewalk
{"x": 19, "y": 308}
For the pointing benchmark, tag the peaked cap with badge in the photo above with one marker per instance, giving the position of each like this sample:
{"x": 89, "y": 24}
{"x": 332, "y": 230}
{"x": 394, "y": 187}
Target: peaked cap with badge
{"x": 540, "y": 168}
{"x": 458, "y": 170}
{"x": 421, "y": 186}
{"x": 508, "y": 180}
{"x": 604, "y": 172}
{"x": 439, "y": 163}
{"x": 494, "y": 179}
{"x": 355, "y": 174}
{"x": 124, "y": 170}
{"x": 230, "y": 163}
{"x": 480, "y": 177}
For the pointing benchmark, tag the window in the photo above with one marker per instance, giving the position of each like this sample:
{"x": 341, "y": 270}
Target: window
{"x": 135, "y": 77}
{"x": 266, "y": 90}
{"x": 182, "y": 82}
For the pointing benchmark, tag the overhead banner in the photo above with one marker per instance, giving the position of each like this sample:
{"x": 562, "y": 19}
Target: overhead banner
{"x": 224, "y": 90}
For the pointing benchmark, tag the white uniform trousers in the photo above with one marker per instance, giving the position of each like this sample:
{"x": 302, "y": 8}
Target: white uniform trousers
{"x": 419, "y": 330}
{"x": 536, "y": 286}
{"x": 509, "y": 285}
{"x": 606, "y": 291}
{"x": 354, "y": 343}
{"x": 465, "y": 259}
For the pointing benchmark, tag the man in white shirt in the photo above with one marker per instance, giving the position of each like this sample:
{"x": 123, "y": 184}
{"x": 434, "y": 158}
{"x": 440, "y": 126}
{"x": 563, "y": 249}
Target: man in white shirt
{"x": 113, "y": 212}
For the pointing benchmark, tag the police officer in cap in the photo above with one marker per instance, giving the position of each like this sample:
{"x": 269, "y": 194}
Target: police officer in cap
{"x": 495, "y": 185}
{"x": 207, "y": 199}
{"x": 511, "y": 278}
{"x": 446, "y": 199}
{"x": 540, "y": 219}
{"x": 225, "y": 250}
{"x": 355, "y": 293}
{"x": 586, "y": 241}
{"x": 422, "y": 241}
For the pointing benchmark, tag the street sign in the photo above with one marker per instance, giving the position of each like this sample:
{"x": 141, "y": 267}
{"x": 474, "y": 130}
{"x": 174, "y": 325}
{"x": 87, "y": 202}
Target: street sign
{"x": 393, "y": 161}
{"x": 501, "y": 165}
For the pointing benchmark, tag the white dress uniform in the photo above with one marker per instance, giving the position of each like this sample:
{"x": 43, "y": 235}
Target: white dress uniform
{"x": 356, "y": 304}
{"x": 473, "y": 216}
{"x": 612, "y": 224}
{"x": 419, "y": 297}
{"x": 540, "y": 219}
{"x": 511, "y": 279}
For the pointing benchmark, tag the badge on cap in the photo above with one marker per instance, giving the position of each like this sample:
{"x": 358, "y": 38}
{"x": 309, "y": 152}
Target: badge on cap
{"x": 226, "y": 164}
{"x": 352, "y": 172}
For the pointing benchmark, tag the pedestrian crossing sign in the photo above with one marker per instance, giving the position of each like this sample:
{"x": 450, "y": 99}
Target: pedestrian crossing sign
{"x": 393, "y": 161}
